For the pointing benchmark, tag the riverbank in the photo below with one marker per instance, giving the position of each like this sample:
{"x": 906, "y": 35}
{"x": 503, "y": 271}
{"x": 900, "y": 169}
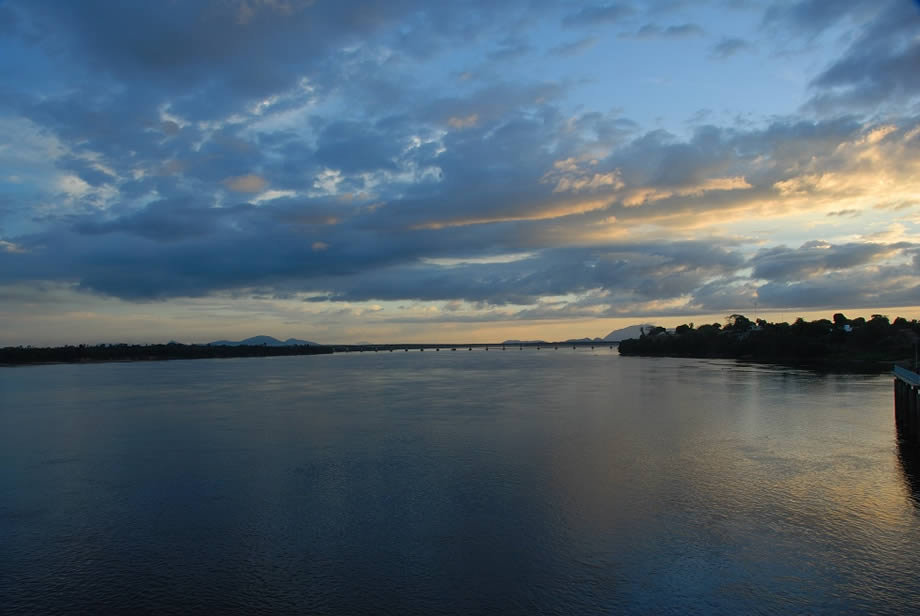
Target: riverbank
{"x": 841, "y": 345}
{"x": 25, "y": 356}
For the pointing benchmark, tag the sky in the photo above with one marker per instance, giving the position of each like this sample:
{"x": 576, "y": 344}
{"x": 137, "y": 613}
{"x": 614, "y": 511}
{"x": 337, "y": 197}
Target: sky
{"x": 452, "y": 171}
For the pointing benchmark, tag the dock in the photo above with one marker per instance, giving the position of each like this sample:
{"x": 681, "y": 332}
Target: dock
{"x": 907, "y": 404}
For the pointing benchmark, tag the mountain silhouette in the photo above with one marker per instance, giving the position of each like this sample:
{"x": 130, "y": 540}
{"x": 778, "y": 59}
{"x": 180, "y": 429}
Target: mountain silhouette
{"x": 266, "y": 340}
{"x": 632, "y": 331}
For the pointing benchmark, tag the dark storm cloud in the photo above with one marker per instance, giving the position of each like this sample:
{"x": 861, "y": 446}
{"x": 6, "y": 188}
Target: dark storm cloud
{"x": 261, "y": 254}
{"x": 858, "y": 289}
{"x": 207, "y": 59}
{"x": 820, "y": 275}
{"x": 646, "y": 271}
{"x": 355, "y": 147}
{"x": 880, "y": 66}
{"x": 361, "y": 249}
{"x": 166, "y": 220}
{"x": 816, "y": 258}
{"x": 111, "y": 124}
{"x": 183, "y": 247}
{"x": 673, "y": 162}
{"x": 793, "y": 142}
{"x": 725, "y": 294}
{"x": 242, "y": 48}
{"x": 661, "y": 160}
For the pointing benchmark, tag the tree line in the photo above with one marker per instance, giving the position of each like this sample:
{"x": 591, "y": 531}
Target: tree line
{"x": 144, "y": 352}
{"x": 876, "y": 340}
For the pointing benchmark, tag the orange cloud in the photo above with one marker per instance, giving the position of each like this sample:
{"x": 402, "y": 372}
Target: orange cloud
{"x": 250, "y": 183}
{"x": 459, "y": 122}
{"x": 555, "y": 211}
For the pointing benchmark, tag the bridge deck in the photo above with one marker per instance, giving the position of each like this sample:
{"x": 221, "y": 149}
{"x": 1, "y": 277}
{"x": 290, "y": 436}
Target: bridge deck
{"x": 908, "y": 376}
{"x": 350, "y": 348}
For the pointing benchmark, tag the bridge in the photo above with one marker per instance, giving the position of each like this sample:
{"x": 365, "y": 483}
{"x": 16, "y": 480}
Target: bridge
{"x": 469, "y": 346}
{"x": 907, "y": 403}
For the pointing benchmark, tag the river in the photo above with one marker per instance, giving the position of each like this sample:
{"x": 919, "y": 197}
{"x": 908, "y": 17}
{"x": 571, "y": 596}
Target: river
{"x": 500, "y": 482}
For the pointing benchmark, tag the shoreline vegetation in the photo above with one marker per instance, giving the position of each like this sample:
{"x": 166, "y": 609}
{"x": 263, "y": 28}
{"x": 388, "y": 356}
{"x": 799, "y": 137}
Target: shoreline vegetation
{"x": 841, "y": 344}
{"x": 78, "y": 354}
{"x": 852, "y": 345}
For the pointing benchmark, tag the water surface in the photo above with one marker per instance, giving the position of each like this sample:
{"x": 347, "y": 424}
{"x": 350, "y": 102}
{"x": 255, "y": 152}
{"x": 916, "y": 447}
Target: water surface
{"x": 516, "y": 482}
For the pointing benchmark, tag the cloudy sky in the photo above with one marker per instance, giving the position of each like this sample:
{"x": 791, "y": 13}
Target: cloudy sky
{"x": 414, "y": 170}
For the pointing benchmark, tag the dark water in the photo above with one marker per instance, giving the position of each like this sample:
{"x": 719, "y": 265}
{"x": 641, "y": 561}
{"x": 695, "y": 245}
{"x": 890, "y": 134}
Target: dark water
{"x": 523, "y": 482}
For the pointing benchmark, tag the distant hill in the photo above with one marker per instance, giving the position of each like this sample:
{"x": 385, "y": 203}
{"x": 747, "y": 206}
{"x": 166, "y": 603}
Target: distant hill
{"x": 266, "y": 340}
{"x": 524, "y": 342}
{"x": 585, "y": 340}
{"x": 632, "y": 331}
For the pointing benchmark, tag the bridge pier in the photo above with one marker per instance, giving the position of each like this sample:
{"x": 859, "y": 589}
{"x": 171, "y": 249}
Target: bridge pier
{"x": 907, "y": 404}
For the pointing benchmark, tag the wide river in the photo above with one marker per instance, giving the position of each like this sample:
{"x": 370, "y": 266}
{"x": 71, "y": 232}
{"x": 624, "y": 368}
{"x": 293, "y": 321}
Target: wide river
{"x": 468, "y": 482}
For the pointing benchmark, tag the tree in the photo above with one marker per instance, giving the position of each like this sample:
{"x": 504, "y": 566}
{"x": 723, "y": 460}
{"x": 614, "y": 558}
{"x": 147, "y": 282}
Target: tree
{"x": 738, "y": 323}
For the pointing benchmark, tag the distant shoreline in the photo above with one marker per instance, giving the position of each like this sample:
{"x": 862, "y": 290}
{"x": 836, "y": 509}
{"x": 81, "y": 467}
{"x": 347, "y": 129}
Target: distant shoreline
{"x": 122, "y": 353}
{"x": 105, "y": 353}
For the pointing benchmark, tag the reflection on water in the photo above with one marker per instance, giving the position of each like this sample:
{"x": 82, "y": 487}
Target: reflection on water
{"x": 909, "y": 458}
{"x": 561, "y": 482}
